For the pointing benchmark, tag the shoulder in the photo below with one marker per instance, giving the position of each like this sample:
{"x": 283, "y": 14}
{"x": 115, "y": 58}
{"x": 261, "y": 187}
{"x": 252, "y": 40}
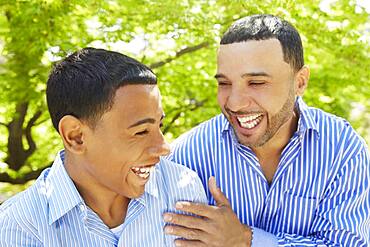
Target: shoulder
{"x": 179, "y": 181}
{"x": 338, "y": 132}
{"x": 20, "y": 215}
{"x": 181, "y": 175}
{"x": 334, "y": 125}
{"x": 325, "y": 120}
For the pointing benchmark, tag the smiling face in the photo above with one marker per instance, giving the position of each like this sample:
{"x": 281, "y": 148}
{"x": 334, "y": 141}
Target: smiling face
{"x": 257, "y": 89}
{"x": 126, "y": 142}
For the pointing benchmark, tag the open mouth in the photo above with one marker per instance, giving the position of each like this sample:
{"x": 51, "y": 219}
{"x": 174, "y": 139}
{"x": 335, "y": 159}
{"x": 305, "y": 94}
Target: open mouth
{"x": 143, "y": 172}
{"x": 250, "y": 121}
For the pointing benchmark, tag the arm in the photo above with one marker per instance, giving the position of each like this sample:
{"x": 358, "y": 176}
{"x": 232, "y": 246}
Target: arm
{"x": 12, "y": 235}
{"x": 342, "y": 217}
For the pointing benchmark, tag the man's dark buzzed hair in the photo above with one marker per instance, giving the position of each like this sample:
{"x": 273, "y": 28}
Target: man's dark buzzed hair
{"x": 84, "y": 84}
{"x": 263, "y": 27}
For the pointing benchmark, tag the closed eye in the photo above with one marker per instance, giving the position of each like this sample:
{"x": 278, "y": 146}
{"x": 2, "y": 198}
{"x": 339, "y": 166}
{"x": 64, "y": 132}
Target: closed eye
{"x": 223, "y": 83}
{"x": 141, "y": 133}
{"x": 256, "y": 82}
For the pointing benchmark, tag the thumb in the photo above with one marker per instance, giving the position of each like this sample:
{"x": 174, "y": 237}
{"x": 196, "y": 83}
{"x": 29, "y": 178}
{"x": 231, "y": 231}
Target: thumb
{"x": 217, "y": 194}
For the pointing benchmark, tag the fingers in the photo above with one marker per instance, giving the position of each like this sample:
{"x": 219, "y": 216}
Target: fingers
{"x": 184, "y": 232}
{"x": 189, "y": 243}
{"x": 217, "y": 194}
{"x": 185, "y": 221}
{"x": 197, "y": 209}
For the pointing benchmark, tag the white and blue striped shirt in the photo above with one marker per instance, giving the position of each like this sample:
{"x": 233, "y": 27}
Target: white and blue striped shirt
{"x": 319, "y": 196}
{"x": 52, "y": 213}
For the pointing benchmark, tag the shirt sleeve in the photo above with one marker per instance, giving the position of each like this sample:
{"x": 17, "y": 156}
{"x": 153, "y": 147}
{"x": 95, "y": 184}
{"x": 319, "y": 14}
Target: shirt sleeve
{"x": 12, "y": 235}
{"x": 261, "y": 238}
{"x": 343, "y": 215}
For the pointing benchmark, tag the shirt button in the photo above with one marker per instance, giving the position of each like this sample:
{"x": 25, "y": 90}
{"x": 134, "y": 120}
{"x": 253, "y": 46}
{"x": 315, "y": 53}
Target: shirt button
{"x": 300, "y": 136}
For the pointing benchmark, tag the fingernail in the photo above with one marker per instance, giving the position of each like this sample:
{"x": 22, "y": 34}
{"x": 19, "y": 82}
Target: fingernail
{"x": 177, "y": 244}
{"x": 168, "y": 229}
{"x": 167, "y": 217}
{"x": 180, "y": 205}
{"x": 213, "y": 181}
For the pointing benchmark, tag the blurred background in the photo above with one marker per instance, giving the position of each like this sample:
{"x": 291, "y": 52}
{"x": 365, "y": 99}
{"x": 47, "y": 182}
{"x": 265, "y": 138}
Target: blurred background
{"x": 178, "y": 39}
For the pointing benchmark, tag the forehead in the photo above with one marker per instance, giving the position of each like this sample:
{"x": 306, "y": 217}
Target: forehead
{"x": 253, "y": 53}
{"x": 132, "y": 102}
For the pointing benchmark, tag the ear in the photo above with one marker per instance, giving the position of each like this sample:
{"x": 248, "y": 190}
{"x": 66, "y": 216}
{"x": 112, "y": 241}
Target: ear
{"x": 71, "y": 131}
{"x": 301, "y": 80}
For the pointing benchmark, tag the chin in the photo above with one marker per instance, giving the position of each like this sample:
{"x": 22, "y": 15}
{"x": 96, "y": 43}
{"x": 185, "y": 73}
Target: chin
{"x": 252, "y": 142}
{"x": 136, "y": 193}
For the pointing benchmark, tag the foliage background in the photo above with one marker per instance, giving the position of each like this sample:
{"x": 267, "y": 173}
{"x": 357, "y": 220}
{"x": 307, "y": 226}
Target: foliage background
{"x": 178, "y": 39}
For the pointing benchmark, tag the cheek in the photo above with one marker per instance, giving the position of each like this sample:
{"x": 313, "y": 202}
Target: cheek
{"x": 222, "y": 96}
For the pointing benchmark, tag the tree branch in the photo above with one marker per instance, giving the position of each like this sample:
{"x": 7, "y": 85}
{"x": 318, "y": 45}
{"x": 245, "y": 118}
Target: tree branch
{"x": 27, "y": 132}
{"x": 41, "y": 121}
{"x": 179, "y": 54}
{"x": 16, "y": 153}
{"x": 191, "y": 107}
{"x": 4, "y": 177}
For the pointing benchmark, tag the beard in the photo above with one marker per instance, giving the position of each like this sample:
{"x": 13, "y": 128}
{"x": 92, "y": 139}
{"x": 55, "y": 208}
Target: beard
{"x": 274, "y": 123}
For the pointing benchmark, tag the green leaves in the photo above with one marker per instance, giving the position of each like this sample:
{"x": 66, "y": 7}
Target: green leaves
{"x": 179, "y": 39}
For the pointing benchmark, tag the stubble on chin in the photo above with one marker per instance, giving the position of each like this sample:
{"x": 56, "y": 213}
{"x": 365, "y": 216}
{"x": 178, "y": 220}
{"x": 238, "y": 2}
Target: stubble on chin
{"x": 274, "y": 124}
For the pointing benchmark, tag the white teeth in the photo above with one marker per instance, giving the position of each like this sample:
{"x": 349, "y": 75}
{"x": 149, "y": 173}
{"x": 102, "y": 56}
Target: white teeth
{"x": 249, "y": 125}
{"x": 249, "y": 118}
{"x": 141, "y": 169}
{"x": 250, "y": 121}
{"x": 143, "y": 172}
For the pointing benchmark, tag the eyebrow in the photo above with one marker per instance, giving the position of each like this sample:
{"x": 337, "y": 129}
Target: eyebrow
{"x": 255, "y": 74}
{"x": 217, "y": 76}
{"x": 144, "y": 121}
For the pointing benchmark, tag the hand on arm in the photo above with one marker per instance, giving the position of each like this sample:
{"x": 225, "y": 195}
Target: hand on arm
{"x": 209, "y": 225}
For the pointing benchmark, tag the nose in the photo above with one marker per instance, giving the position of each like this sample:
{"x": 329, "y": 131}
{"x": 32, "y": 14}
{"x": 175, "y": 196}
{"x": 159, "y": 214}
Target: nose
{"x": 160, "y": 146}
{"x": 238, "y": 99}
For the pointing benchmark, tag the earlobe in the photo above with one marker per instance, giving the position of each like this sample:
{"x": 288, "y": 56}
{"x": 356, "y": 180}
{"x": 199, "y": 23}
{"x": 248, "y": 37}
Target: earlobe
{"x": 302, "y": 77}
{"x": 71, "y": 132}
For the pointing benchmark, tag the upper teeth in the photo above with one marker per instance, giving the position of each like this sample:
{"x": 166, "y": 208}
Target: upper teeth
{"x": 142, "y": 172}
{"x": 248, "y": 118}
{"x": 142, "y": 169}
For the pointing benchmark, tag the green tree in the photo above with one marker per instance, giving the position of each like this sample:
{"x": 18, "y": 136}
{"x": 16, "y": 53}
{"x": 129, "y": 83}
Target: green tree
{"x": 178, "y": 39}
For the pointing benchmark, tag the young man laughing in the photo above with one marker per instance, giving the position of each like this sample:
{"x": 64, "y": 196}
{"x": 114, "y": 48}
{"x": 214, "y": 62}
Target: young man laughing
{"x": 109, "y": 186}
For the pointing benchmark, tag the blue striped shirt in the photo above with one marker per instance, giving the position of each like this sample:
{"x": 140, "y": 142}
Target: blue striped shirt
{"x": 52, "y": 213}
{"x": 319, "y": 196}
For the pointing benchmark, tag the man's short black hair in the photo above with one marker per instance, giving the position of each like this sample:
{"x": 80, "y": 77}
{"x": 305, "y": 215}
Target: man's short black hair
{"x": 84, "y": 84}
{"x": 263, "y": 27}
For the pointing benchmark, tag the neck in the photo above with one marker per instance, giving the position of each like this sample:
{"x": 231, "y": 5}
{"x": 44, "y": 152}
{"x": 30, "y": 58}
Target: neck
{"x": 110, "y": 206}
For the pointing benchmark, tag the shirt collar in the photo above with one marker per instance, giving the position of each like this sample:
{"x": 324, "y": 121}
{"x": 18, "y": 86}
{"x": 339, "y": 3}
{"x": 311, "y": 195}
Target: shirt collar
{"x": 305, "y": 122}
{"x": 60, "y": 190}
{"x": 63, "y": 195}
{"x": 306, "y": 119}
{"x": 226, "y": 126}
